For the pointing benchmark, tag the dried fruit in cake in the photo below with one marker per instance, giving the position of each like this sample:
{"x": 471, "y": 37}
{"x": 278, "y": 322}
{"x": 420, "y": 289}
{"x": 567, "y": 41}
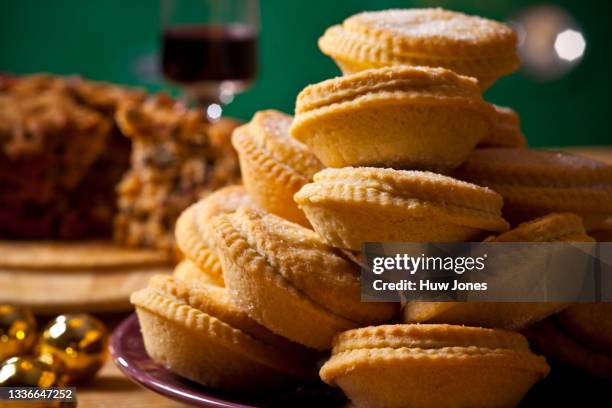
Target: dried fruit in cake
{"x": 402, "y": 117}
{"x": 60, "y": 159}
{"x": 274, "y": 165}
{"x": 469, "y": 45}
{"x": 353, "y": 205}
{"x": 177, "y": 158}
{"x": 432, "y": 365}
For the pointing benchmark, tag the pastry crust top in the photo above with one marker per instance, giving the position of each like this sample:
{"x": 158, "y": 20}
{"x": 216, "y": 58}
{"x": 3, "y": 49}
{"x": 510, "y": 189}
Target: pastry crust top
{"x": 191, "y": 227}
{"x": 438, "y": 31}
{"x": 412, "y": 82}
{"x": 536, "y": 167}
{"x": 406, "y": 184}
{"x": 225, "y": 200}
{"x": 187, "y": 270}
{"x": 438, "y": 344}
{"x": 556, "y": 227}
{"x": 470, "y": 45}
{"x": 207, "y": 311}
{"x": 304, "y": 261}
{"x": 428, "y": 336}
{"x": 214, "y": 301}
{"x": 269, "y": 131}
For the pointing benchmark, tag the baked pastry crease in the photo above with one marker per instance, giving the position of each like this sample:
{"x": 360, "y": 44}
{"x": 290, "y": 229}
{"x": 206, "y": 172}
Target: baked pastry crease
{"x": 192, "y": 236}
{"x": 557, "y": 227}
{"x": 401, "y": 117}
{"x": 194, "y": 330}
{"x": 469, "y": 45}
{"x": 506, "y": 130}
{"x": 353, "y": 205}
{"x": 557, "y": 341}
{"x": 274, "y": 165}
{"x": 286, "y": 278}
{"x": 591, "y": 323}
{"x": 432, "y": 366}
{"x": 537, "y": 182}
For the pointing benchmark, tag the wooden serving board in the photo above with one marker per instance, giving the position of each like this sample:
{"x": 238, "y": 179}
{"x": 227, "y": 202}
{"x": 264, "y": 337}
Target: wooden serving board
{"x": 57, "y": 277}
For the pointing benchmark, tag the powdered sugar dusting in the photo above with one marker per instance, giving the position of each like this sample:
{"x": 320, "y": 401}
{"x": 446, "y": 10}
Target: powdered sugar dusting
{"x": 432, "y": 23}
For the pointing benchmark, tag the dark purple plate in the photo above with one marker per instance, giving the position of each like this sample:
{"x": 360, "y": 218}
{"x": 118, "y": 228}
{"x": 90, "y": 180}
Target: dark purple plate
{"x": 127, "y": 349}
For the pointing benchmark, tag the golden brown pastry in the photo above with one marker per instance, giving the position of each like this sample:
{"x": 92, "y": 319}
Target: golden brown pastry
{"x": 506, "y": 130}
{"x": 188, "y": 271}
{"x": 191, "y": 229}
{"x": 602, "y": 232}
{"x": 274, "y": 165}
{"x": 353, "y": 205}
{"x": 555, "y": 341}
{"x": 537, "y": 182}
{"x": 560, "y": 227}
{"x": 469, "y": 45}
{"x": 286, "y": 278}
{"x": 591, "y": 323}
{"x": 402, "y": 117}
{"x": 432, "y": 366}
{"x": 194, "y": 330}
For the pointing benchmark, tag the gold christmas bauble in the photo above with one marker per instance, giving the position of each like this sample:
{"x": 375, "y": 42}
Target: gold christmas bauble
{"x": 75, "y": 345}
{"x": 26, "y": 372}
{"x": 17, "y": 331}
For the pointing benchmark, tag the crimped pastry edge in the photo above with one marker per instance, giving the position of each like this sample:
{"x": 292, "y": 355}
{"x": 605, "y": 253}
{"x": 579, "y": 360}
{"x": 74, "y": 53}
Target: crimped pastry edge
{"x": 264, "y": 161}
{"x": 240, "y": 253}
{"x": 430, "y": 83}
{"x": 282, "y": 148}
{"x": 187, "y": 270}
{"x": 193, "y": 245}
{"x": 551, "y": 227}
{"x": 349, "y": 361}
{"x": 430, "y": 185}
{"x": 427, "y": 336}
{"x": 454, "y": 214}
{"x": 216, "y": 330}
{"x": 340, "y": 43}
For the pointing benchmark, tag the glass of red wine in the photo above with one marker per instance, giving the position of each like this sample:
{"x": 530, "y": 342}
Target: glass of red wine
{"x": 209, "y": 48}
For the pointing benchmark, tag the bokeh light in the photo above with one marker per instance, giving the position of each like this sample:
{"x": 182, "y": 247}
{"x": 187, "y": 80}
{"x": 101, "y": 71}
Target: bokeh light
{"x": 570, "y": 45}
{"x": 214, "y": 111}
{"x": 551, "y": 42}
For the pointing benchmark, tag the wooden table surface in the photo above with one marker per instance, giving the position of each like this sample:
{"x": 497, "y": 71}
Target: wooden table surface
{"x": 113, "y": 390}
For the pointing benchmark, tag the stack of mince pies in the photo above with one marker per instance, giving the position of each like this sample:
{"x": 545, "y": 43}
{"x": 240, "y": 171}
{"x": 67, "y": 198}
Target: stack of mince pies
{"x": 403, "y": 147}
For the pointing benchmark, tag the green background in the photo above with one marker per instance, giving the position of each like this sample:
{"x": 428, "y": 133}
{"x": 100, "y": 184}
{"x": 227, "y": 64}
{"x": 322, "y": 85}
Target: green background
{"x": 117, "y": 40}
